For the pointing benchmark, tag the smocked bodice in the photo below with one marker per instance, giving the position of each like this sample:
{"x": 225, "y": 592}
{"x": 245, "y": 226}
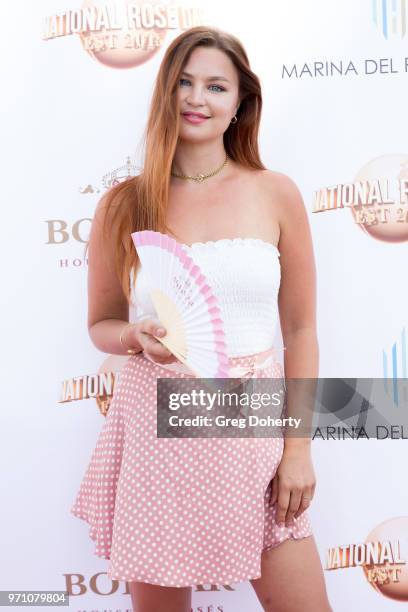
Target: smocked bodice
{"x": 244, "y": 274}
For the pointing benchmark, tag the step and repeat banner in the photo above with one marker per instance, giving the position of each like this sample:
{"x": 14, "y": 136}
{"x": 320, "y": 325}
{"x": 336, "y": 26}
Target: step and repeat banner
{"x": 77, "y": 79}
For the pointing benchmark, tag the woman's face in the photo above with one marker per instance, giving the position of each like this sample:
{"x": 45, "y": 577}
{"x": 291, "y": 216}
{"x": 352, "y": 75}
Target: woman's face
{"x": 208, "y": 86}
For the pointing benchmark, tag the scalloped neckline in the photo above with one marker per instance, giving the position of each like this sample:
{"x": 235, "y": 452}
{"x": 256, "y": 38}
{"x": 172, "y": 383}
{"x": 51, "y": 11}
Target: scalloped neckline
{"x": 232, "y": 241}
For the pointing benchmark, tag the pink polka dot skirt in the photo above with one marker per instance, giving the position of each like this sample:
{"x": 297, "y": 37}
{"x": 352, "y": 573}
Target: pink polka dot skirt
{"x": 179, "y": 511}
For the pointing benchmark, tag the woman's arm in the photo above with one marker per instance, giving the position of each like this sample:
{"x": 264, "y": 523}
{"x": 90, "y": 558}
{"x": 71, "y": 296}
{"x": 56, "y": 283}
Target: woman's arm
{"x": 108, "y": 309}
{"x": 297, "y": 304}
{"x": 294, "y": 484}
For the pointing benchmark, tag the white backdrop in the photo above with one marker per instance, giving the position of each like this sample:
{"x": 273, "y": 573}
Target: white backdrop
{"x": 68, "y": 121}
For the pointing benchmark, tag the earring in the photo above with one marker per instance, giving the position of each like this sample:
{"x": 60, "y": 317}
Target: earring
{"x": 234, "y": 117}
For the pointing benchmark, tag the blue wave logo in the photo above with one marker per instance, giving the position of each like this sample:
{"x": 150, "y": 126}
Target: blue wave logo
{"x": 390, "y": 17}
{"x": 397, "y": 365}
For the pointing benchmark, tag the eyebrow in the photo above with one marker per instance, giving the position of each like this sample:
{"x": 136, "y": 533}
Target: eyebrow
{"x": 211, "y": 78}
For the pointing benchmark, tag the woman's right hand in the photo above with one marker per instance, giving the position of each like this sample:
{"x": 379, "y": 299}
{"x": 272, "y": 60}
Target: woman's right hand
{"x": 142, "y": 333}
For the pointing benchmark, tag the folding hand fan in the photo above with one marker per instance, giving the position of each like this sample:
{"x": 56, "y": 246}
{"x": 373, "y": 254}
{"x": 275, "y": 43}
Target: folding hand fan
{"x": 185, "y": 304}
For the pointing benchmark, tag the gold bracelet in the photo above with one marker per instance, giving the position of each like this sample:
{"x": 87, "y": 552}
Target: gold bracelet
{"x": 129, "y": 351}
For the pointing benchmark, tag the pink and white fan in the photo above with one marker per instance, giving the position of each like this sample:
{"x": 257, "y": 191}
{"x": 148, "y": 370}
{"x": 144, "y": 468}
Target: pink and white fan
{"x": 185, "y": 304}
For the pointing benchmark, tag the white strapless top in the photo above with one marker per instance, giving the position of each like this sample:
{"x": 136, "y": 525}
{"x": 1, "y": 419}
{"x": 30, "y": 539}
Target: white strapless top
{"x": 245, "y": 275}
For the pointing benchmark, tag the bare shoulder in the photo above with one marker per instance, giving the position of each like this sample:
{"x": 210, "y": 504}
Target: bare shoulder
{"x": 282, "y": 188}
{"x": 285, "y": 196}
{"x": 290, "y": 210}
{"x": 270, "y": 184}
{"x": 107, "y": 202}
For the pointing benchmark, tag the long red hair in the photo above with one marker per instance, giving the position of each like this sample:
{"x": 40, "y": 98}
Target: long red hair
{"x": 140, "y": 202}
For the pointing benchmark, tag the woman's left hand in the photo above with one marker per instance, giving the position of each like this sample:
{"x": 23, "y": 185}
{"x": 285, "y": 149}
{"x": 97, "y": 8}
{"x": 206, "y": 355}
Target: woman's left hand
{"x": 294, "y": 484}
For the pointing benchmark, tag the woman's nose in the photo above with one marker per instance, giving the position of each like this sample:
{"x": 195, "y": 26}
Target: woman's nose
{"x": 195, "y": 95}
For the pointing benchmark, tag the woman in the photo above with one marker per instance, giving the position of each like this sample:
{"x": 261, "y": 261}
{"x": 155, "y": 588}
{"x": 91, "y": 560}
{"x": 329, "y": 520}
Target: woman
{"x": 170, "y": 516}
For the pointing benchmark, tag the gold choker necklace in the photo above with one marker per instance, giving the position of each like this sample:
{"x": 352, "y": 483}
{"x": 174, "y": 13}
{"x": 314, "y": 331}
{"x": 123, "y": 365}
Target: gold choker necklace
{"x": 199, "y": 178}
